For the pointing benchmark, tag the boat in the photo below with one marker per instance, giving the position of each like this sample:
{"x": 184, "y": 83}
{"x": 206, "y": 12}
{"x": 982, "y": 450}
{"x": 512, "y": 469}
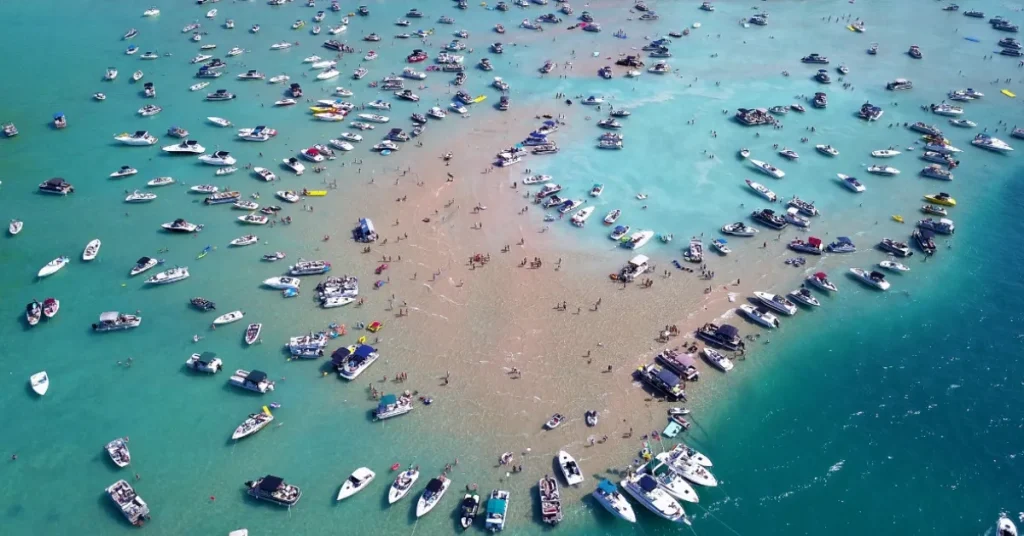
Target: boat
{"x": 940, "y": 226}
{"x": 435, "y": 490}
{"x": 739, "y": 229}
{"x": 767, "y": 169}
{"x": 785, "y": 153}
{"x": 185, "y": 147}
{"x": 619, "y": 232}
{"x": 760, "y": 315}
{"x": 644, "y": 488}
{"x": 570, "y": 469}
{"x": 768, "y": 218}
{"x": 57, "y": 186}
{"x": 990, "y": 143}
{"x": 555, "y": 421}
{"x": 118, "y": 452}
{"x": 762, "y": 190}
{"x": 468, "y": 510}
{"x": 638, "y": 239}
{"x": 220, "y": 95}
{"x": 280, "y": 46}
{"x": 132, "y": 507}
{"x": 885, "y": 153}
{"x": 219, "y": 158}
{"x": 579, "y": 219}
{"x": 894, "y": 266}
{"x": 812, "y": 245}
{"x": 887, "y": 171}
{"x": 169, "y": 276}
{"x": 33, "y": 313}
{"x": 247, "y": 240}
{"x": 827, "y": 150}
{"x": 91, "y": 250}
{"x": 716, "y": 359}
{"x": 804, "y": 296}
{"x": 205, "y": 362}
{"x": 356, "y": 482}
{"x": 872, "y": 279}
{"x": 39, "y": 382}
{"x": 254, "y": 423}
{"x": 181, "y": 226}
{"x": 53, "y": 266}
{"x": 274, "y": 489}
{"x": 1005, "y": 527}
{"x": 255, "y": 380}
{"x": 851, "y": 183}
{"x": 124, "y": 171}
{"x": 403, "y": 484}
{"x": 139, "y": 138}
{"x": 668, "y": 478}
{"x": 15, "y": 227}
{"x": 608, "y": 496}
{"x": 228, "y": 318}
{"x": 815, "y": 59}
{"x": 352, "y": 361}
{"x": 915, "y": 52}
{"x": 695, "y": 251}
{"x": 720, "y": 244}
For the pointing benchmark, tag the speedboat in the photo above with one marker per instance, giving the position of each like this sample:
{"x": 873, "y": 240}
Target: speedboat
{"x": 468, "y": 510}
{"x": 280, "y": 46}
{"x": 219, "y": 121}
{"x": 254, "y": 423}
{"x": 769, "y": 218}
{"x": 274, "y": 489}
{"x": 118, "y": 452}
{"x": 608, "y": 496}
{"x": 739, "y": 229}
{"x": 160, "y": 181}
{"x": 619, "y": 232}
{"x": 762, "y": 190}
{"x": 432, "y": 495}
{"x": 872, "y": 279}
{"x": 1005, "y": 527}
{"x": 185, "y": 147}
{"x": 946, "y": 109}
{"x": 827, "y": 150}
{"x": 53, "y": 266}
{"x": 140, "y": 137}
{"x": 885, "y": 153}
{"x": 767, "y": 169}
{"x": 402, "y": 485}
{"x": 804, "y": 296}
{"x": 255, "y": 381}
{"x": 899, "y": 249}
{"x": 554, "y": 422}
{"x": 784, "y": 152}
{"x": 207, "y": 362}
{"x": 645, "y": 489}
{"x": 936, "y": 171}
{"x": 356, "y": 482}
{"x": 717, "y": 359}
{"x": 39, "y": 382}
{"x": 894, "y": 266}
{"x": 178, "y": 273}
{"x": 842, "y": 244}
{"x": 820, "y": 280}
{"x": 888, "y": 171}
{"x": 125, "y": 171}
{"x": 115, "y": 321}
{"x": 570, "y": 470}
{"x": 92, "y": 249}
{"x": 985, "y": 141}
{"x": 760, "y": 315}
{"x": 941, "y": 198}
{"x": 219, "y": 158}
{"x": 293, "y": 164}
{"x": 851, "y": 183}
{"x": 150, "y": 110}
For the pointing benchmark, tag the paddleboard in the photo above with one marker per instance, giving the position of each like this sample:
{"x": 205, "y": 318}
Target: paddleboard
{"x": 1008, "y": 93}
{"x": 481, "y": 98}
{"x": 851, "y": 28}
{"x": 973, "y": 39}
{"x": 316, "y": 193}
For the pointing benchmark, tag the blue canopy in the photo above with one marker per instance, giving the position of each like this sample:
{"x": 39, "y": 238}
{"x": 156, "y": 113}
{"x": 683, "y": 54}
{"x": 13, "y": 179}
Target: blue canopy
{"x": 844, "y": 240}
{"x": 728, "y": 332}
{"x": 648, "y": 484}
{"x": 607, "y": 486}
{"x": 364, "y": 351}
{"x": 58, "y": 115}
{"x": 497, "y": 506}
{"x": 388, "y": 400}
{"x": 668, "y": 377}
{"x": 620, "y": 228}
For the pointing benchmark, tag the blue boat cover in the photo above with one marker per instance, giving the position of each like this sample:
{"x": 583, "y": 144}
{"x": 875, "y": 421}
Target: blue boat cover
{"x": 387, "y": 400}
{"x": 844, "y": 240}
{"x": 435, "y": 485}
{"x": 648, "y": 484}
{"x": 364, "y": 351}
{"x": 607, "y": 486}
{"x": 726, "y": 331}
{"x": 339, "y": 356}
{"x": 668, "y": 377}
{"x": 496, "y": 506}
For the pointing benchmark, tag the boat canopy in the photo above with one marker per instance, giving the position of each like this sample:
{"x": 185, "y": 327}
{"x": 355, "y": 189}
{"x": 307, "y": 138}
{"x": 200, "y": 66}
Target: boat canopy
{"x": 926, "y": 234}
{"x": 364, "y": 351}
{"x": 639, "y": 260}
{"x": 206, "y": 357}
{"x": 497, "y": 506}
{"x": 725, "y": 331}
{"x": 435, "y": 485}
{"x": 271, "y": 483}
{"x": 109, "y": 316}
{"x": 686, "y": 360}
{"x": 648, "y": 484}
{"x": 814, "y": 241}
{"x": 821, "y": 275}
{"x": 388, "y": 400}
{"x": 256, "y": 376}
{"x": 844, "y": 240}
{"x": 607, "y": 486}
{"x": 58, "y": 115}
{"x": 668, "y": 377}
{"x": 143, "y": 260}
{"x": 339, "y": 356}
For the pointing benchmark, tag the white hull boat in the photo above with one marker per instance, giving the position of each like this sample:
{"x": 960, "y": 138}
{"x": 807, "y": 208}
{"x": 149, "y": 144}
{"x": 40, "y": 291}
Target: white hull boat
{"x": 40, "y": 382}
{"x": 356, "y": 482}
{"x": 402, "y": 485}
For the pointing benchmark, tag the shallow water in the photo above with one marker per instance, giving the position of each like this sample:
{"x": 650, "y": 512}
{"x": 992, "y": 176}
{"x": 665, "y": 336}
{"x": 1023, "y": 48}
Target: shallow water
{"x": 895, "y": 396}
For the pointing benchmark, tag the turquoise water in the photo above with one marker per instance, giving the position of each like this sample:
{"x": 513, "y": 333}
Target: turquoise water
{"x": 897, "y": 414}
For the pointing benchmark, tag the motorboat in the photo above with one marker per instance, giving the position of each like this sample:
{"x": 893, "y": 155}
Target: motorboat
{"x": 15, "y": 227}
{"x": 762, "y": 190}
{"x": 468, "y": 509}
{"x": 716, "y": 359}
{"x": 579, "y": 219}
{"x": 887, "y": 171}
{"x": 433, "y": 493}
{"x": 140, "y": 137}
{"x": 935, "y": 171}
{"x": 851, "y": 183}
{"x": 842, "y": 244}
{"x": 185, "y": 147}
{"x": 785, "y": 152}
{"x": 608, "y": 496}
{"x": 309, "y": 268}
{"x": 118, "y": 452}
{"x": 274, "y": 489}
{"x": 53, "y": 266}
{"x": 804, "y": 296}
{"x": 57, "y": 186}
{"x": 254, "y": 423}
{"x": 769, "y": 218}
{"x": 1005, "y": 527}
{"x": 739, "y": 229}
{"x": 293, "y": 164}
{"x": 820, "y": 280}
{"x": 941, "y": 198}
{"x": 894, "y": 266}
{"x": 827, "y": 150}
{"x": 132, "y": 507}
{"x": 228, "y": 318}
{"x": 254, "y": 380}
{"x": 124, "y": 171}
{"x": 280, "y": 46}
{"x": 555, "y": 421}
{"x": 814, "y": 59}
{"x": 356, "y": 482}
{"x": 767, "y": 169}
{"x": 496, "y": 511}
{"x": 823, "y": 77}
{"x": 166, "y": 277}
{"x": 219, "y": 158}
{"x": 111, "y": 74}
{"x": 915, "y": 52}
{"x": 92, "y": 249}
{"x": 645, "y": 489}
{"x": 812, "y": 246}
{"x": 760, "y": 315}
{"x": 990, "y": 143}
{"x": 872, "y": 279}
{"x": 247, "y": 240}
{"x": 940, "y": 226}
{"x": 207, "y": 362}
{"x": 402, "y": 485}
{"x": 220, "y": 95}
{"x": 570, "y": 469}
{"x": 33, "y": 313}
{"x": 252, "y": 333}
{"x": 39, "y": 382}
{"x": 932, "y": 209}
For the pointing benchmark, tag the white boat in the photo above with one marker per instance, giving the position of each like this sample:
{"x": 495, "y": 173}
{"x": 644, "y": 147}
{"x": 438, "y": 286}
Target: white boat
{"x": 115, "y": 321}
{"x": 402, "y": 485}
{"x": 872, "y": 279}
{"x": 53, "y": 266}
{"x": 820, "y": 280}
{"x": 118, "y": 452}
{"x": 776, "y": 302}
{"x": 638, "y": 239}
{"x": 151, "y": 12}
{"x": 253, "y": 424}
{"x": 294, "y": 165}
{"x": 91, "y": 249}
{"x": 580, "y": 218}
{"x": 887, "y": 171}
{"x": 717, "y": 359}
{"x": 336, "y": 301}
{"x": 219, "y": 158}
{"x": 282, "y": 282}
{"x": 252, "y": 333}
{"x": 645, "y": 490}
{"x": 669, "y": 480}
{"x": 132, "y": 507}
{"x": 690, "y": 469}
{"x": 143, "y": 264}
{"x": 207, "y": 362}
{"x": 496, "y": 511}
{"x": 804, "y": 296}
{"x": 254, "y": 380}
{"x": 111, "y": 74}
{"x": 894, "y": 266}
{"x": 160, "y": 181}
{"x": 169, "y": 276}
{"x": 139, "y": 138}
{"x": 279, "y": 79}
{"x": 1005, "y": 527}
{"x": 356, "y": 482}
{"x": 827, "y": 150}
{"x": 251, "y": 219}
{"x": 227, "y": 318}
{"x": 885, "y": 153}
{"x": 235, "y": 51}
{"x": 15, "y": 227}
{"x": 374, "y": 118}
{"x": 759, "y": 315}
{"x": 211, "y": 13}
{"x": 570, "y": 469}
{"x": 125, "y": 171}
{"x": 185, "y": 147}
{"x": 851, "y": 183}
{"x": 762, "y": 190}
{"x": 288, "y": 195}
{"x": 137, "y": 75}
{"x": 328, "y": 74}
{"x": 280, "y": 46}
{"x": 219, "y": 121}
{"x": 40, "y": 382}
{"x": 432, "y": 495}
{"x": 739, "y": 229}
{"x": 264, "y": 174}
{"x": 246, "y": 240}
{"x": 340, "y": 144}
{"x": 608, "y": 496}
{"x": 767, "y": 169}
{"x": 985, "y": 141}
{"x": 226, "y": 171}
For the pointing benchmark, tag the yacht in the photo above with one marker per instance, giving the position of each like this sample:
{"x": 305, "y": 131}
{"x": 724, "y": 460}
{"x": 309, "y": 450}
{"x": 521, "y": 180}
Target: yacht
{"x": 871, "y": 279}
{"x": 169, "y": 276}
{"x": 246, "y": 240}
{"x": 280, "y": 46}
{"x": 185, "y": 147}
{"x": 579, "y": 219}
{"x": 915, "y": 52}
{"x": 497, "y": 510}
{"x": 432, "y": 495}
{"x": 760, "y": 315}
{"x": 804, "y": 296}
{"x": 851, "y": 183}
{"x": 140, "y": 137}
{"x": 645, "y": 489}
{"x": 274, "y": 489}
{"x": 56, "y": 186}
{"x": 963, "y": 123}
{"x": 260, "y": 133}
{"x": 181, "y": 226}
{"x": 985, "y": 141}
{"x": 254, "y": 423}
{"x": 946, "y": 109}
{"x": 608, "y": 496}
{"x": 220, "y": 95}
{"x": 356, "y": 482}
{"x": 402, "y": 485}
{"x": 255, "y": 380}
{"x": 815, "y": 59}
{"x": 820, "y": 280}
{"x": 207, "y": 362}
{"x": 115, "y": 321}
{"x": 132, "y": 507}
{"x": 767, "y": 169}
